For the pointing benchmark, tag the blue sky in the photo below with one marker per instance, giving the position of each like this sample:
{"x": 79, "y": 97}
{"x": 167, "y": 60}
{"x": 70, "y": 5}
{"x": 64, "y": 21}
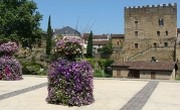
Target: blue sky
{"x": 100, "y": 16}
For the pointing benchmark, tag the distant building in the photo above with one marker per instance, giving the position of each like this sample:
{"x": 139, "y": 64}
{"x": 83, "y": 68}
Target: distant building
{"x": 98, "y": 40}
{"x": 117, "y": 42}
{"x": 144, "y": 70}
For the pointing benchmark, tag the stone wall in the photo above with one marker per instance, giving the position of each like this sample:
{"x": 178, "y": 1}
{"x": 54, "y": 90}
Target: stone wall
{"x": 162, "y": 75}
{"x": 120, "y": 72}
{"x": 161, "y": 54}
{"x": 149, "y": 26}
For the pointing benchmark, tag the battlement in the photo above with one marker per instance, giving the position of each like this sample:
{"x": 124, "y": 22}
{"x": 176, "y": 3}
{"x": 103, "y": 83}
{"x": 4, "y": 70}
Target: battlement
{"x": 152, "y": 6}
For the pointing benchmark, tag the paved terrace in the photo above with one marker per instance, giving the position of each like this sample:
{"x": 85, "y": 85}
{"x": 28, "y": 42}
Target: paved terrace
{"x": 110, "y": 94}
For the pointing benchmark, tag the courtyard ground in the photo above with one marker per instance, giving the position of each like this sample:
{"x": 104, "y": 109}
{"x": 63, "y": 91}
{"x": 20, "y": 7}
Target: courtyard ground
{"x": 110, "y": 94}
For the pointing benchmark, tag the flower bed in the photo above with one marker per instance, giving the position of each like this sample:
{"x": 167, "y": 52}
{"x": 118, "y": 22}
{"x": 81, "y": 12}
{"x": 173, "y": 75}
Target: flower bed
{"x": 70, "y": 82}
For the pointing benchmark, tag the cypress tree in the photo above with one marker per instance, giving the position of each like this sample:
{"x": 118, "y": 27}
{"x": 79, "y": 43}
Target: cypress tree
{"x": 90, "y": 45}
{"x": 49, "y": 37}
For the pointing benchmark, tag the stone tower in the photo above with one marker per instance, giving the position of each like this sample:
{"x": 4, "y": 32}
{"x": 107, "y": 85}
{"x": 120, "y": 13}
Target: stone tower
{"x": 149, "y": 27}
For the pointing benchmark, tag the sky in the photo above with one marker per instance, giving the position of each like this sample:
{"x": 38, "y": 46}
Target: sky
{"x": 98, "y": 16}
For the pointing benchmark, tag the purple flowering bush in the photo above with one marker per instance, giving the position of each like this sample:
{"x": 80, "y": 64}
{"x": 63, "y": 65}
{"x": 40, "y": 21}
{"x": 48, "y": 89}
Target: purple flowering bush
{"x": 70, "y": 82}
{"x": 10, "y": 68}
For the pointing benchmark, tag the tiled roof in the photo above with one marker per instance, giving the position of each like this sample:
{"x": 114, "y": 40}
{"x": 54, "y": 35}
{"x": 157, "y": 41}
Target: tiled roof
{"x": 142, "y": 65}
{"x": 86, "y": 36}
{"x": 117, "y": 36}
{"x": 100, "y": 37}
{"x": 100, "y": 42}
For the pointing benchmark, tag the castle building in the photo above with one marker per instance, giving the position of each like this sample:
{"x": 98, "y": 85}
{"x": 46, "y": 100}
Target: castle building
{"x": 150, "y": 29}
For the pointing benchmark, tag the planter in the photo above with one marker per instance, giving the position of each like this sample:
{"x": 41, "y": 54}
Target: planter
{"x": 70, "y": 82}
{"x": 10, "y": 68}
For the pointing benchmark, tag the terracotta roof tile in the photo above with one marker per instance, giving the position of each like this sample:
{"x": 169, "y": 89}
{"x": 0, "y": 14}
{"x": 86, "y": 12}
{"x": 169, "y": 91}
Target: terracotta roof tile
{"x": 117, "y": 35}
{"x": 142, "y": 65}
{"x": 86, "y": 36}
{"x": 100, "y": 37}
{"x": 100, "y": 42}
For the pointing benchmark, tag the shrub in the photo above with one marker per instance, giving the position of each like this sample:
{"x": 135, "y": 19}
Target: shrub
{"x": 33, "y": 68}
{"x": 101, "y": 67}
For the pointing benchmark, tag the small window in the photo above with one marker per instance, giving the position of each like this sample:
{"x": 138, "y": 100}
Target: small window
{"x": 155, "y": 45}
{"x": 136, "y": 33}
{"x": 165, "y": 44}
{"x": 158, "y": 33}
{"x": 161, "y": 22}
{"x": 136, "y": 45}
{"x": 166, "y": 33}
{"x": 136, "y": 23}
{"x": 117, "y": 42}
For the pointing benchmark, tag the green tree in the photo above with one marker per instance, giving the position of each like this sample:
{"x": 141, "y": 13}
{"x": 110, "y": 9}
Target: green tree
{"x": 49, "y": 37}
{"x": 107, "y": 49}
{"x": 20, "y": 20}
{"x": 90, "y": 45}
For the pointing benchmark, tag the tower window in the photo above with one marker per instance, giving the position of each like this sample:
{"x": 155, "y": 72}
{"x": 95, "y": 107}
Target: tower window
{"x": 136, "y": 45}
{"x": 136, "y": 33}
{"x": 158, "y": 33}
{"x": 165, "y": 44}
{"x": 161, "y": 22}
{"x": 166, "y": 33}
{"x": 155, "y": 45}
{"x": 136, "y": 23}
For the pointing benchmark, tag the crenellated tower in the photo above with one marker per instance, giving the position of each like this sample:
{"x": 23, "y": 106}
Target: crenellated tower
{"x": 150, "y": 26}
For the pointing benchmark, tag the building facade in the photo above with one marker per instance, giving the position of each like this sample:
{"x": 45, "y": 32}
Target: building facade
{"x": 149, "y": 27}
{"x": 98, "y": 41}
{"x": 144, "y": 70}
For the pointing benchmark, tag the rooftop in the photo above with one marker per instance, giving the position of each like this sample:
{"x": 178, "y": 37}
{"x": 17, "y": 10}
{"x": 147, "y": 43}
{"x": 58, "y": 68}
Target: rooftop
{"x": 144, "y": 65}
{"x": 117, "y": 36}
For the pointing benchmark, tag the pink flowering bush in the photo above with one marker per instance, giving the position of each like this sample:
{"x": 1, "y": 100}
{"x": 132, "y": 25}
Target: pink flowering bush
{"x": 8, "y": 48}
{"x": 10, "y": 68}
{"x": 70, "y": 82}
{"x": 69, "y": 47}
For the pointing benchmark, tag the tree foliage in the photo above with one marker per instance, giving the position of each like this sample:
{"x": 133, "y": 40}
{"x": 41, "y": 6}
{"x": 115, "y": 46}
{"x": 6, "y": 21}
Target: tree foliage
{"x": 90, "y": 45}
{"x": 20, "y": 20}
{"x": 107, "y": 49}
{"x": 49, "y": 37}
